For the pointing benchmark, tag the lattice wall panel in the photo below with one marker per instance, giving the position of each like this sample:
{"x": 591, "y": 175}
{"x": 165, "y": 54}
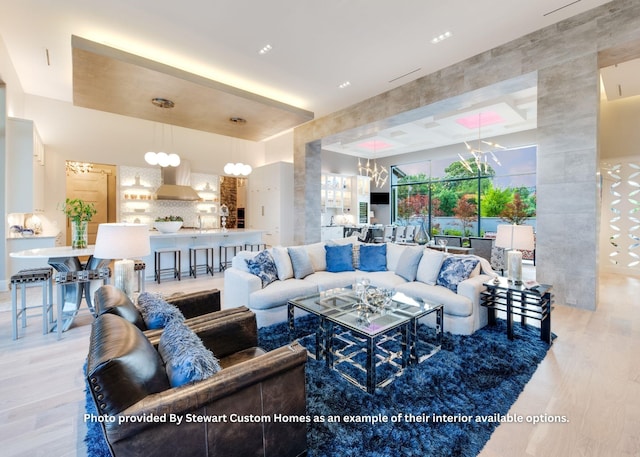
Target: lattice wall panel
{"x": 624, "y": 215}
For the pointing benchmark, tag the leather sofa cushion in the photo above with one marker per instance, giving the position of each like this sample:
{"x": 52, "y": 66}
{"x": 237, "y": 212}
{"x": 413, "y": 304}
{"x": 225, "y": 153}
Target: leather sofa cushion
{"x": 123, "y": 367}
{"x": 110, "y": 299}
{"x": 241, "y": 356}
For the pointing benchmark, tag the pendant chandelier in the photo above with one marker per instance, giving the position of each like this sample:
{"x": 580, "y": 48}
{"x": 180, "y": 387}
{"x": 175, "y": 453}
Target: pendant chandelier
{"x": 237, "y": 168}
{"x": 478, "y": 155}
{"x": 378, "y": 174}
{"x": 77, "y": 168}
{"x": 162, "y": 158}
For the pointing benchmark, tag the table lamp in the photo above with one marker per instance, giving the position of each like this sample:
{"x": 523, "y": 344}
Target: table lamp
{"x": 122, "y": 242}
{"x": 514, "y": 237}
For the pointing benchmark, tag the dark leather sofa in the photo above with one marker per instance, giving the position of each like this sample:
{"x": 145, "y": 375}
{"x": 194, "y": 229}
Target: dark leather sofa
{"x": 235, "y": 412}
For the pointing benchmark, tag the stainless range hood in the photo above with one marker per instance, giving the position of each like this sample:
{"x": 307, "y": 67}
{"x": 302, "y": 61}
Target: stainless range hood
{"x": 176, "y": 184}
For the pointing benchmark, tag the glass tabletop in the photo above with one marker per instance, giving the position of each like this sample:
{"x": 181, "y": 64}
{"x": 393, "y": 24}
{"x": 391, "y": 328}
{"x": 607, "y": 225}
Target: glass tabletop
{"x": 328, "y": 302}
{"x": 341, "y": 306}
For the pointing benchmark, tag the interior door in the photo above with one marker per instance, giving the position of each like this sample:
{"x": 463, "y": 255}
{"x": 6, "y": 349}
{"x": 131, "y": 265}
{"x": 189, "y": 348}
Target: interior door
{"x": 90, "y": 187}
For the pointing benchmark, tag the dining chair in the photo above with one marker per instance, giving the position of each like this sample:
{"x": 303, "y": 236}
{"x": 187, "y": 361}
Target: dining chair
{"x": 482, "y": 246}
{"x": 455, "y": 241}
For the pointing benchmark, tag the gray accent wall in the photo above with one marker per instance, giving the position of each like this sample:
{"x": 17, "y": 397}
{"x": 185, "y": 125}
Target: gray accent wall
{"x": 565, "y": 57}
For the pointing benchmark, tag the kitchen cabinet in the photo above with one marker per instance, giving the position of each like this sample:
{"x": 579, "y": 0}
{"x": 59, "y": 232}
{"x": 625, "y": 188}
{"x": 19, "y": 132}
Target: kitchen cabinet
{"x": 331, "y": 233}
{"x": 270, "y": 202}
{"x": 336, "y": 192}
{"x": 25, "y": 167}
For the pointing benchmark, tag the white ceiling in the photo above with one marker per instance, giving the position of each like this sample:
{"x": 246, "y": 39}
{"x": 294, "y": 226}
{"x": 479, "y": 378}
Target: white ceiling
{"x": 376, "y": 45}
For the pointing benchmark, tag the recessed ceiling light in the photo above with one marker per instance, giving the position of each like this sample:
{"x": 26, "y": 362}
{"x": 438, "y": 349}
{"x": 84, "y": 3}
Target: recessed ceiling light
{"x": 344, "y": 85}
{"x": 265, "y": 49}
{"x": 441, "y": 37}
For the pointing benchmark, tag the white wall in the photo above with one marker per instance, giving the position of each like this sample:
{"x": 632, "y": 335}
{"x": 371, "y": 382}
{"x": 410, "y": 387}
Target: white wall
{"x": 279, "y": 148}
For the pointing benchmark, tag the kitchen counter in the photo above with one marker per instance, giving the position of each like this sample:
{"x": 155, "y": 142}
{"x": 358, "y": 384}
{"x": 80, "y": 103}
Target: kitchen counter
{"x": 20, "y": 243}
{"x": 190, "y": 232}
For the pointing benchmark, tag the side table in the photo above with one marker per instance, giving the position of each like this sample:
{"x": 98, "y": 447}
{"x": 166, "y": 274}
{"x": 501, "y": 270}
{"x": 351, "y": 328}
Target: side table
{"x": 517, "y": 299}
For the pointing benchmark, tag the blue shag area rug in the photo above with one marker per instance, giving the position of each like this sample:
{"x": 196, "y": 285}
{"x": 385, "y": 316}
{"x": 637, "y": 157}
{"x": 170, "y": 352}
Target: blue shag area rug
{"x": 448, "y": 405}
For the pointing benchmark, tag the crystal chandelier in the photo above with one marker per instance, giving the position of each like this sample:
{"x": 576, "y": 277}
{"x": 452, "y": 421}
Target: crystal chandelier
{"x": 378, "y": 174}
{"x": 78, "y": 168}
{"x": 479, "y": 156}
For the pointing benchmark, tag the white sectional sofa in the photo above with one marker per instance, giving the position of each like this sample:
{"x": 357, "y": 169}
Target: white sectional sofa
{"x": 413, "y": 270}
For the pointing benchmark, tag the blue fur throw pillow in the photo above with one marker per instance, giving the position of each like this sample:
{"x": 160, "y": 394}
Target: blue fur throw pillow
{"x": 156, "y": 312}
{"x": 186, "y": 359}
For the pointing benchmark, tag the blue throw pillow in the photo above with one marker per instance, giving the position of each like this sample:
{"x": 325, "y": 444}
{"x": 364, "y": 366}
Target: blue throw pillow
{"x": 339, "y": 258}
{"x": 408, "y": 262}
{"x": 373, "y": 257}
{"x": 264, "y": 267}
{"x": 454, "y": 270}
{"x": 156, "y": 312}
{"x": 185, "y": 357}
{"x": 301, "y": 262}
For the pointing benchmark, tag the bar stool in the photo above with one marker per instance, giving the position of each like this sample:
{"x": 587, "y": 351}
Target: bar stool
{"x": 31, "y": 276}
{"x": 177, "y": 258}
{"x": 140, "y": 267}
{"x": 255, "y": 246}
{"x": 225, "y": 261}
{"x": 193, "y": 260}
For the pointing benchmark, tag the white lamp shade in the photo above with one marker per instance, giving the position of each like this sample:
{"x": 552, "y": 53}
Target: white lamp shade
{"x": 515, "y": 237}
{"x": 122, "y": 241}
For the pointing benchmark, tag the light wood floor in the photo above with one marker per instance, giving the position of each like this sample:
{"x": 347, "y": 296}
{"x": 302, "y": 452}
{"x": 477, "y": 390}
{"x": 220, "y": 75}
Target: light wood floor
{"x": 591, "y": 376}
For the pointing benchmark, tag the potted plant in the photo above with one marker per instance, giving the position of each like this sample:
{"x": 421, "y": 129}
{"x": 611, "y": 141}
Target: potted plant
{"x": 168, "y": 224}
{"x": 79, "y": 213}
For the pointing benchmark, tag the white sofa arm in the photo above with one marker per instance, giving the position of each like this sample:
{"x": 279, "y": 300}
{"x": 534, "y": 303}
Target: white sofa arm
{"x": 238, "y": 286}
{"x": 471, "y": 288}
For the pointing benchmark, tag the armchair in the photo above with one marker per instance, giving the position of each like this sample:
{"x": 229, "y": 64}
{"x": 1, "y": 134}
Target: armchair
{"x": 231, "y": 413}
{"x": 194, "y": 306}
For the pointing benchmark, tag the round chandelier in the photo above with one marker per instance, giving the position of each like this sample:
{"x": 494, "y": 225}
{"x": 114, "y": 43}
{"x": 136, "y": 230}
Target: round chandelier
{"x": 162, "y": 158}
{"x": 237, "y": 169}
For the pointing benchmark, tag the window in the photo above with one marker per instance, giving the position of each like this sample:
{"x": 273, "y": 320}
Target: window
{"x": 450, "y": 200}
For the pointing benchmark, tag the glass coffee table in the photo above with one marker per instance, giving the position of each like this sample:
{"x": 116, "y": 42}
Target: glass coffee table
{"x": 358, "y": 341}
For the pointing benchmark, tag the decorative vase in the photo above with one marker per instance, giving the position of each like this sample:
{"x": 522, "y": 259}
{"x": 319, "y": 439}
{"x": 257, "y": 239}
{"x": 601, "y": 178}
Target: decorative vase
{"x": 421, "y": 236}
{"x": 79, "y": 234}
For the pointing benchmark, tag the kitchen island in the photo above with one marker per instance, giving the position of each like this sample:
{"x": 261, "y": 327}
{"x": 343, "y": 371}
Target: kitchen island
{"x": 186, "y": 238}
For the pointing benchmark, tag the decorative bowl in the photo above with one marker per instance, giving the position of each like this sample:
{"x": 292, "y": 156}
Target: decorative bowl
{"x": 168, "y": 226}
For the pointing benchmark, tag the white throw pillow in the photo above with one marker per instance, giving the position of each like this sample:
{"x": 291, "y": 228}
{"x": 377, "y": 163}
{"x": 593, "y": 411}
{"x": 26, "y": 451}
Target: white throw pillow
{"x": 429, "y": 266}
{"x": 283, "y": 263}
{"x": 394, "y": 251}
{"x": 318, "y": 256}
{"x": 240, "y": 260}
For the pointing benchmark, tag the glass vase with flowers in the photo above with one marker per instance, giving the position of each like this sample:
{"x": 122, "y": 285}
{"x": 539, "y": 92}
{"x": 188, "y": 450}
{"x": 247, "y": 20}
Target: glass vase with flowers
{"x": 79, "y": 213}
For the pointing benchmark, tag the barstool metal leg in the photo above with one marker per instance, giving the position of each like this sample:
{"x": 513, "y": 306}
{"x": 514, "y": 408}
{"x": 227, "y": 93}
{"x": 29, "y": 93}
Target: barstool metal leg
{"x": 14, "y": 311}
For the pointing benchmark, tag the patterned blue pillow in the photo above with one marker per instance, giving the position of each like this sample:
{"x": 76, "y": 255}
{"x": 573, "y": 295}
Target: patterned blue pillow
{"x": 373, "y": 257}
{"x": 454, "y": 270}
{"x": 264, "y": 267}
{"x": 339, "y": 258}
{"x": 185, "y": 356}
